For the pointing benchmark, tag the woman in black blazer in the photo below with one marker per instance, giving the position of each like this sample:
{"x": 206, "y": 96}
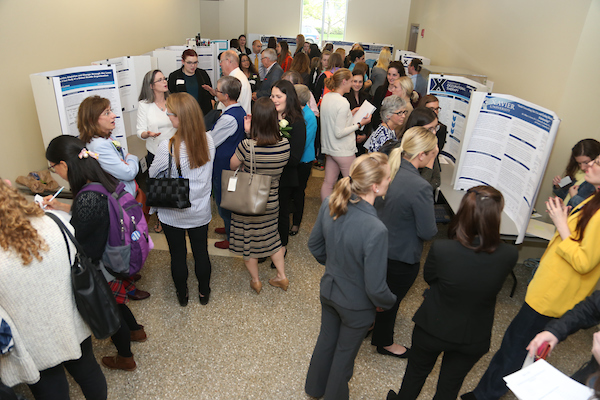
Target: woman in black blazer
{"x": 356, "y": 97}
{"x": 353, "y": 286}
{"x": 465, "y": 274}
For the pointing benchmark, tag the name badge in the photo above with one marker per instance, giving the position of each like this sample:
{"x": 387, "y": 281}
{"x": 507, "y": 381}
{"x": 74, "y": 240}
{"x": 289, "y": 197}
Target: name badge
{"x": 180, "y": 82}
{"x": 232, "y": 184}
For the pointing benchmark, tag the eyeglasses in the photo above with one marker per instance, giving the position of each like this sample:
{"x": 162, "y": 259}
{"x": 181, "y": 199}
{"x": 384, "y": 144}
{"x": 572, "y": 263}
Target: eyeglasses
{"x": 51, "y": 168}
{"x": 163, "y": 79}
{"x": 106, "y": 113}
{"x": 403, "y": 112}
{"x": 191, "y": 62}
{"x": 170, "y": 114}
{"x": 591, "y": 163}
{"x": 436, "y": 109}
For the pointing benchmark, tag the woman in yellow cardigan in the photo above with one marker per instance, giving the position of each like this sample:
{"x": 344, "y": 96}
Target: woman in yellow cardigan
{"x": 568, "y": 273}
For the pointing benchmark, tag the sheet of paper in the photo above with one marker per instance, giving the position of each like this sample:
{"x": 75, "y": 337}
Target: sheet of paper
{"x": 365, "y": 109}
{"x": 540, "y": 229}
{"x": 565, "y": 181}
{"x": 542, "y": 381}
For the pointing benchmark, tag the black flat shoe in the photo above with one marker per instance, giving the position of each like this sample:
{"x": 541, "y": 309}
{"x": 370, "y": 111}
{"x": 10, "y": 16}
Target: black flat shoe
{"x": 183, "y": 300}
{"x": 294, "y": 232}
{"x": 385, "y": 352}
{"x": 391, "y": 395}
{"x": 204, "y": 299}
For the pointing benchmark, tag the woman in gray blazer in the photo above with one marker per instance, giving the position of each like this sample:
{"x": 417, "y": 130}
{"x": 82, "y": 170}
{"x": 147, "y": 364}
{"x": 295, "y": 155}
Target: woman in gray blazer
{"x": 353, "y": 286}
{"x": 407, "y": 212}
{"x": 465, "y": 274}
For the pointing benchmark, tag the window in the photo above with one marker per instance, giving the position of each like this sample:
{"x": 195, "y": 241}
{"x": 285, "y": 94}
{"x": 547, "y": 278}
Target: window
{"x": 324, "y": 20}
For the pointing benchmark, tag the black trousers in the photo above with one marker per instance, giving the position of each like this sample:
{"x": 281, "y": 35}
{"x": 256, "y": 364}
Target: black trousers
{"x": 283, "y": 224}
{"x": 400, "y": 278}
{"x": 177, "y": 247}
{"x": 122, "y": 338}
{"x": 53, "y": 384}
{"x": 304, "y": 170}
{"x": 457, "y": 361}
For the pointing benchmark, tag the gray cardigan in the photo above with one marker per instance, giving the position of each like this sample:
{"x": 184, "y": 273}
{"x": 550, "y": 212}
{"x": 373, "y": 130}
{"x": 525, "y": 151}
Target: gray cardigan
{"x": 407, "y": 212}
{"x": 353, "y": 249}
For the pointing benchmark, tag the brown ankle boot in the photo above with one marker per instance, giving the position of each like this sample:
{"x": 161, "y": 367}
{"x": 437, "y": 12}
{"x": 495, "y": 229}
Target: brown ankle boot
{"x": 139, "y": 335}
{"x": 118, "y": 362}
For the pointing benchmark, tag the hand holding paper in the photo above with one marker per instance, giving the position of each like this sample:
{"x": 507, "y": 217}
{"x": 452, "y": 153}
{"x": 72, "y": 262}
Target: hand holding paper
{"x": 364, "y": 113}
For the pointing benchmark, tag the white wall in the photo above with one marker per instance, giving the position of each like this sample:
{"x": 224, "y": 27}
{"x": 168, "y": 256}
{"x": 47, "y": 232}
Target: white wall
{"x": 545, "y": 52}
{"x": 40, "y": 35}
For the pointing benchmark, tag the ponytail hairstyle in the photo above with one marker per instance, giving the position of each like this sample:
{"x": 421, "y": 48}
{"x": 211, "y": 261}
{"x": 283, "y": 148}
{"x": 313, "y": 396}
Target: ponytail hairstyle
{"x": 409, "y": 88}
{"x": 334, "y": 81}
{"x": 416, "y": 140}
{"x": 585, "y": 147}
{"x": 478, "y": 216}
{"x": 365, "y": 171}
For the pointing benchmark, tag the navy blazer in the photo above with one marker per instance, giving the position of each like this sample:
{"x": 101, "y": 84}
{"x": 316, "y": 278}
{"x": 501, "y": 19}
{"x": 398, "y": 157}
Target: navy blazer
{"x": 459, "y": 306}
{"x": 271, "y": 78}
{"x": 355, "y": 263}
{"x": 407, "y": 211}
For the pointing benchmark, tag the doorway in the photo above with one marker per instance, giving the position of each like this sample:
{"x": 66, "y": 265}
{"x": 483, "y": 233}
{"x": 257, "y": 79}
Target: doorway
{"x": 412, "y": 38}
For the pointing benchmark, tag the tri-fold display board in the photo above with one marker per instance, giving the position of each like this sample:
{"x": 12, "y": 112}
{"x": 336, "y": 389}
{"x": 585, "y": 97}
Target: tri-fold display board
{"x": 497, "y": 140}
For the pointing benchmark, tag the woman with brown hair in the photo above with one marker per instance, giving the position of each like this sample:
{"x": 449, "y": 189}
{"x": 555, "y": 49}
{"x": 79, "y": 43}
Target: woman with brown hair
{"x": 301, "y": 64}
{"x": 395, "y": 70}
{"x": 192, "y": 152}
{"x": 256, "y": 236}
{"x": 95, "y": 122}
{"x": 338, "y": 139}
{"x": 250, "y": 71}
{"x": 334, "y": 62}
{"x": 284, "y": 58}
{"x": 36, "y": 293}
{"x": 567, "y": 274}
{"x": 353, "y": 287}
{"x": 465, "y": 273}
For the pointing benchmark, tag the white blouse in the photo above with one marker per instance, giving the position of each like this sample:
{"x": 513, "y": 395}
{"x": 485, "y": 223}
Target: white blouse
{"x": 153, "y": 119}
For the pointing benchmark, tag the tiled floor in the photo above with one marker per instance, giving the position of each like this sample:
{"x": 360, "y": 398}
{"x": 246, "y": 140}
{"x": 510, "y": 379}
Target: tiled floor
{"x": 248, "y": 346}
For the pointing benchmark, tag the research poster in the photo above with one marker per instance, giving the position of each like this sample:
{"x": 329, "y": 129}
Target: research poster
{"x": 73, "y": 85}
{"x": 454, "y": 94}
{"x": 507, "y": 144}
{"x": 128, "y": 89}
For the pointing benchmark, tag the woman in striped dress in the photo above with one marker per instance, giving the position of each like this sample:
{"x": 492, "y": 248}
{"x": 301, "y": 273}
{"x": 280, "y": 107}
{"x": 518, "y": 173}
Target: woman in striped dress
{"x": 256, "y": 236}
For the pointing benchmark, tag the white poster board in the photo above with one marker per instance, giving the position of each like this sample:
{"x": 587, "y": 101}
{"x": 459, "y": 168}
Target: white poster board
{"x": 169, "y": 59}
{"x": 507, "y": 144}
{"x": 130, "y": 75}
{"x": 405, "y": 57}
{"x": 454, "y": 93}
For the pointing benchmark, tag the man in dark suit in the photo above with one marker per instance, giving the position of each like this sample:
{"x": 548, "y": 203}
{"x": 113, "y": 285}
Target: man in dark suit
{"x": 273, "y": 73}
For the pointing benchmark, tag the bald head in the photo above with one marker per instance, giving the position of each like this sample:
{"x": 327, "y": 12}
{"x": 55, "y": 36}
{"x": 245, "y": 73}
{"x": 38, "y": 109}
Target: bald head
{"x": 229, "y": 61}
{"x": 256, "y": 47}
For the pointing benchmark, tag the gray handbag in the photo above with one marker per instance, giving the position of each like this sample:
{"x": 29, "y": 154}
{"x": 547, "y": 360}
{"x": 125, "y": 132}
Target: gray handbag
{"x": 243, "y": 192}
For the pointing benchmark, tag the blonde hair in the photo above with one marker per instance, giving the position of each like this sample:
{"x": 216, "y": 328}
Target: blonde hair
{"x": 335, "y": 80}
{"x": 385, "y": 57}
{"x": 365, "y": 171}
{"x": 16, "y": 230}
{"x": 415, "y": 140}
{"x": 408, "y": 87}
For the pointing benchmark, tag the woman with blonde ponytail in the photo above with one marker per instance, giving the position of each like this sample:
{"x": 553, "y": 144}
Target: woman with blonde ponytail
{"x": 407, "y": 212}
{"x": 349, "y": 301}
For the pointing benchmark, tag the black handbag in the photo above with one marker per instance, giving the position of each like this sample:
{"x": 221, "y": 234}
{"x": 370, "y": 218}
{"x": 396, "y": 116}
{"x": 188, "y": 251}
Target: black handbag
{"x": 168, "y": 192}
{"x": 93, "y": 297}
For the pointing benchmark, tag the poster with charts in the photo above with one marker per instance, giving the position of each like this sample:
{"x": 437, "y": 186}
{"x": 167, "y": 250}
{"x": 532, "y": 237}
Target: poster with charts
{"x": 507, "y": 144}
{"x": 73, "y": 85}
{"x": 454, "y": 93}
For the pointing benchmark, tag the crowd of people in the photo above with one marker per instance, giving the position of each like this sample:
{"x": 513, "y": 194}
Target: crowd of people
{"x": 278, "y": 113}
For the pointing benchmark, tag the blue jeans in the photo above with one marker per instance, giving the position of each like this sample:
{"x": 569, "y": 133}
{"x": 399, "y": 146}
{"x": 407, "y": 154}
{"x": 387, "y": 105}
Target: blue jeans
{"x": 509, "y": 358}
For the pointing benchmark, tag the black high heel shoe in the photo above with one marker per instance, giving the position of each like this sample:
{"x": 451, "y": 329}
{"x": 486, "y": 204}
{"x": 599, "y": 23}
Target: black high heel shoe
{"x": 183, "y": 299}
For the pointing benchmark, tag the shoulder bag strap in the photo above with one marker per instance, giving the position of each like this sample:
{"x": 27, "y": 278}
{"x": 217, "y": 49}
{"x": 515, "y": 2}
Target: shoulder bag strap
{"x": 67, "y": 233}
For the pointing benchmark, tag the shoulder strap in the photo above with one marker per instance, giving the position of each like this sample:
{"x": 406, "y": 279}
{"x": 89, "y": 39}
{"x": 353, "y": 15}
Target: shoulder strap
{"x": 67, "y": 233}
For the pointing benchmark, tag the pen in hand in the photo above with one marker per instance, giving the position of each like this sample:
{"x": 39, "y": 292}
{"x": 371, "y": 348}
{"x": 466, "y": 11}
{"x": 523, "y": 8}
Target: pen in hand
{"x": 53, "y": 197}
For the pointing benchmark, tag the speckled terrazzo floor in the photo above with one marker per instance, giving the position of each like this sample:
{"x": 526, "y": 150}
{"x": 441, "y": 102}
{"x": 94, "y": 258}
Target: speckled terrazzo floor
{"x": 247, "y": 346}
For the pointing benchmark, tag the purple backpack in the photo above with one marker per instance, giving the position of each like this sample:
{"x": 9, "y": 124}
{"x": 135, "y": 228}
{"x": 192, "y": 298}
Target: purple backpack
{"x": 128, "y": 241}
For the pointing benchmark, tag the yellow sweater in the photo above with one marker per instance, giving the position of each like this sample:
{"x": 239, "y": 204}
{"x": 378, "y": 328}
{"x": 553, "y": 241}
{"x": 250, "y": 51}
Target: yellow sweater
{"x": 568, "y": 270}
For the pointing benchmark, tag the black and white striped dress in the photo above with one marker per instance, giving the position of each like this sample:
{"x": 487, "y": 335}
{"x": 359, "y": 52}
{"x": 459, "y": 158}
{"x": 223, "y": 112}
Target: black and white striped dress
{"x": 256, "y": 236}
